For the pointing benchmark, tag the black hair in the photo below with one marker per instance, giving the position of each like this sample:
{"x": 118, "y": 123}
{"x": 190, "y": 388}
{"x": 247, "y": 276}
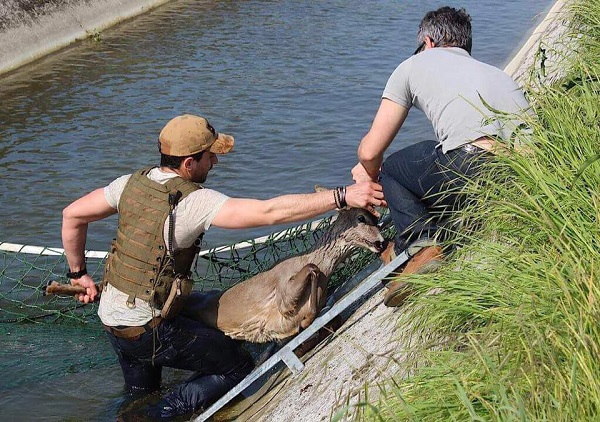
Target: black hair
{"x": 447, "y": 27}
{"x": 173, "y": 162}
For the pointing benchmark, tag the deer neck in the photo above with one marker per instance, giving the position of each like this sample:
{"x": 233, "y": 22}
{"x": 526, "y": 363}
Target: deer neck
{"x": 328, "y": 255}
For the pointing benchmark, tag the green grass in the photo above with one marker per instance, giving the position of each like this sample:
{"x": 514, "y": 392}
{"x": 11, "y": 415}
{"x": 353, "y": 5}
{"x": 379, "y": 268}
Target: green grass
{"x": 515, "y": 332}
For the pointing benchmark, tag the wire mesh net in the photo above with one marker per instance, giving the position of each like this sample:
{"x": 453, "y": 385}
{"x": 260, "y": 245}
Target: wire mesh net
{"x": 25, "y": 271}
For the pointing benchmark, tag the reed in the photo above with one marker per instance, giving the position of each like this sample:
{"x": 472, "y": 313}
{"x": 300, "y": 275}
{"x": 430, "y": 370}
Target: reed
{"x": 514, "y": 333}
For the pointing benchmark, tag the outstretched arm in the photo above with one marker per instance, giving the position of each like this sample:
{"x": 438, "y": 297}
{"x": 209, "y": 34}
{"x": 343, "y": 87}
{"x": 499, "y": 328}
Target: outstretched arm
{"x": 76, "y": 217}
{"x": 387, "y": 123}
{"x": 239, "y": 213}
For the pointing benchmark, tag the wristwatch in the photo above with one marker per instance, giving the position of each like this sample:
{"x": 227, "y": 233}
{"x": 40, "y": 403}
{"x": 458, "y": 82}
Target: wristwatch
{"x": 76, "y": 274}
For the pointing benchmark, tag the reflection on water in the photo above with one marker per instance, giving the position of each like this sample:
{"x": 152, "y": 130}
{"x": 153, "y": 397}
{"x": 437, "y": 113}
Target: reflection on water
{"x": 297, "y": 84}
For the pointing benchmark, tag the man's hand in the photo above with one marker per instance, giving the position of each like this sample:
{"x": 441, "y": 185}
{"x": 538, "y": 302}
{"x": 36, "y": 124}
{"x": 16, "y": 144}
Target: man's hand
{"x": 90, "y": 288}
{"x": 366, "y": 195}
{"x": 359, "y": 174}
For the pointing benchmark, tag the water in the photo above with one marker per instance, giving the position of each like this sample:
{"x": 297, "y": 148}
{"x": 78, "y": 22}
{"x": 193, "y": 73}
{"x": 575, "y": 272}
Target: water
{"x": 297, "y": 84}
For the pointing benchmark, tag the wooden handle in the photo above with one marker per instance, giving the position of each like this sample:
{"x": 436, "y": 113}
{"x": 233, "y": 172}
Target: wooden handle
{"x": 60, "y": 289}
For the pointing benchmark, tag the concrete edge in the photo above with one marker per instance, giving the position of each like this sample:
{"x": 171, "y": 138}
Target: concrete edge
{"x": 27, "y": 43}
{"x": 534, "y": 40}
{"x": 31, "y": 41}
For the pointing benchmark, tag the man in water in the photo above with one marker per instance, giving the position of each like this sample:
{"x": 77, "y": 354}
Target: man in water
{"x": 163, "y": 213}
{"x": 457, "y": 93}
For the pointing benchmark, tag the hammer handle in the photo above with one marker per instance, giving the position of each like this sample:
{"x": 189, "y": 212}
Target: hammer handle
{"x": 60, "y": 289}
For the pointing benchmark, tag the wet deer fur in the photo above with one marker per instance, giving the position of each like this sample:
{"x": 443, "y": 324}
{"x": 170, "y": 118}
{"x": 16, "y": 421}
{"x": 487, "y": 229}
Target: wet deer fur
{"x": 277, "y": 303}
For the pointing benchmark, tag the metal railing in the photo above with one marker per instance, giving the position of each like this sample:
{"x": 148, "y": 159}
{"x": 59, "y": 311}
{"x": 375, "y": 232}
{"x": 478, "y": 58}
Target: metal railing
{"x": 368, "y": 286}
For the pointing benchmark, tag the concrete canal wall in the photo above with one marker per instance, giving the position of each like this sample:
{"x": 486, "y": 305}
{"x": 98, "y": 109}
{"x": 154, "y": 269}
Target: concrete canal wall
{"x": 32, "y": 29}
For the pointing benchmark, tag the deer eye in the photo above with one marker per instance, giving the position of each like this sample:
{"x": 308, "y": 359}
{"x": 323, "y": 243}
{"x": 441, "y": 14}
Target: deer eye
{"x": 362, "y": 218}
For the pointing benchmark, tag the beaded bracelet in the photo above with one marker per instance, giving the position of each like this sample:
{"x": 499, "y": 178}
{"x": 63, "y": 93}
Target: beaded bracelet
{"x": 336, "y": 198}
{"x": 339, "y": 195}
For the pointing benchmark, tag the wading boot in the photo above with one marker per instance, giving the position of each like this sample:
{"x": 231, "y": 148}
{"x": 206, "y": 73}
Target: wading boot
{"x": 427, "y": 260}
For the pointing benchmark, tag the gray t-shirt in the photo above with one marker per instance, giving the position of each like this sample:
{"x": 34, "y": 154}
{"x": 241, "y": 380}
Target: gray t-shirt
{"x": 193, "y": 216}
{"x": 447, "y": 84}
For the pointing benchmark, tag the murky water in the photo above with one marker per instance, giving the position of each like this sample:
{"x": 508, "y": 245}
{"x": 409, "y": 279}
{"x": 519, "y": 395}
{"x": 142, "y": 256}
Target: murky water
{"x": 297, "y": 83}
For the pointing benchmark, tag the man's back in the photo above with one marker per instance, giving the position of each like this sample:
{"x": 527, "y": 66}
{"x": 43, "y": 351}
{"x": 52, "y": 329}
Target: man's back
{"x": 446, "y": 84}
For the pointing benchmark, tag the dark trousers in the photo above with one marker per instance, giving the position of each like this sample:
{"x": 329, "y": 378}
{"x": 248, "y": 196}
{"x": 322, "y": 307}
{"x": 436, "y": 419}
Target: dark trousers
{"x": 218, "y": 362}
{"x": 422, "y": 185}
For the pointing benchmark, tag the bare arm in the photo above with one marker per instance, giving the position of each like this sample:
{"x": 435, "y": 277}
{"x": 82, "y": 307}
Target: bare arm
{"x": 238, "y": 213}
{"x": 76, "y": 217}
{"x": 387, "y": 123}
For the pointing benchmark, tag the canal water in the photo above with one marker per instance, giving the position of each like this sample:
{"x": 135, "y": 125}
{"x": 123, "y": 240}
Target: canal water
{"x": 297, "y": 83}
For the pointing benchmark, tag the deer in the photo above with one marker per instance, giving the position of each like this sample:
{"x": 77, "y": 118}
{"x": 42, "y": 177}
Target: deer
{"x": 277, "y": 303}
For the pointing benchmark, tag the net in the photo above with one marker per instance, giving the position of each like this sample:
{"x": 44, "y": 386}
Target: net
{"x": 26, "y": 270}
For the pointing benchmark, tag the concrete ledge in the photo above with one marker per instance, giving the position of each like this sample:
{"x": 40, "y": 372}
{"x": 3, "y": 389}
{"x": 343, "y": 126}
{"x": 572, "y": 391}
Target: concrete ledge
{"x": 547, "y": 32}
{"x": 79, "y": 19}
{"x": 63, "y": 26}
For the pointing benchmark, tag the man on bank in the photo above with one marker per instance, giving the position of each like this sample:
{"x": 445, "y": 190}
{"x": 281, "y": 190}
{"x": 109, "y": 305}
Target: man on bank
{"x": 457, "y": 93}
{"x": 163, "y": 213}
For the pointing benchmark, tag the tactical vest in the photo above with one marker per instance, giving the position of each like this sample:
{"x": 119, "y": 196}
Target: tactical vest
{"x": 138, "y": 262}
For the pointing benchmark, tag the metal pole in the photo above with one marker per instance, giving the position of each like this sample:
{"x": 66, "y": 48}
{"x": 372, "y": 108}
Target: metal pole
{"x": 286, "y": 353}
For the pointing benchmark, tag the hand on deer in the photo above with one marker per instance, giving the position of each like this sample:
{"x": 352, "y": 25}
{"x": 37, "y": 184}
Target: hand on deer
{"x": 367, "y": 195}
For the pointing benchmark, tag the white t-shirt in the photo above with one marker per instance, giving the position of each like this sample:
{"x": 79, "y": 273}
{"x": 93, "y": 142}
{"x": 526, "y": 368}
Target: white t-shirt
{"x": 193, "y": 216}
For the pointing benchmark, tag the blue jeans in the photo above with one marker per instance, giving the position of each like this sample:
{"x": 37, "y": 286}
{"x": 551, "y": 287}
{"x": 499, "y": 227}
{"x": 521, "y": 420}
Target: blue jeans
{"x": 219, "y": 363}
{"x": 422, "y": 185}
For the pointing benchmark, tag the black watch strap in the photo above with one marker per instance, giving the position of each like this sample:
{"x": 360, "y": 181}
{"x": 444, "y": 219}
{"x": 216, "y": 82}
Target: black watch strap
{"x": 77, "y": 274}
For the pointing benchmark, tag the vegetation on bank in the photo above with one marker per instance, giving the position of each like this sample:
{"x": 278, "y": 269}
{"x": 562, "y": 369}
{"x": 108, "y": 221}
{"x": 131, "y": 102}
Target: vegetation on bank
{"x": 517, "y": 333}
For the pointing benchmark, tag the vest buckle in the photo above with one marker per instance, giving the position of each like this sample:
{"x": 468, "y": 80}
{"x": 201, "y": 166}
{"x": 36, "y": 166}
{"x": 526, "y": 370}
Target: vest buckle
{"x": 130, "y": 302}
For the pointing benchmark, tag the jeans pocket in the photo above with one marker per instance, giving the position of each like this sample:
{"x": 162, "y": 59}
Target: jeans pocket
{"x": 428, "y": 178}
{"x": 461, "y": 163}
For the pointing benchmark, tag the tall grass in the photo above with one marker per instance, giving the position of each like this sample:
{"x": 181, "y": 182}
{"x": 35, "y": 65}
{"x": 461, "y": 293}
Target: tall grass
{"x": 514, "y": 333}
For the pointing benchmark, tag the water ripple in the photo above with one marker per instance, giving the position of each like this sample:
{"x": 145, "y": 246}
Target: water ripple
{"x": 297, "y": 83}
